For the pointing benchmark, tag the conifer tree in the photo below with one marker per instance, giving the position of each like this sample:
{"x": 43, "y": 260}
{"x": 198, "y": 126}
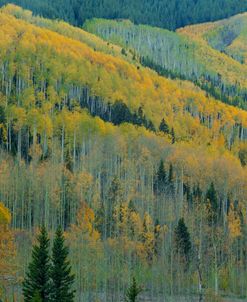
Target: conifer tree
{"x": 133, "y": 291}
{"x": 173, "y": 136}
{"x": 62, "y": 278}
{"x": 37, "y": 280}
{"x": 161, "y": 172}
{"x": 161, "y": 177}
{"x": 36, "y": 297}
{"x": 171, "y": 174}
{"x": 182, "y": 239}
{"x": 164, "y": 127}
{"x": 211, "y": 197}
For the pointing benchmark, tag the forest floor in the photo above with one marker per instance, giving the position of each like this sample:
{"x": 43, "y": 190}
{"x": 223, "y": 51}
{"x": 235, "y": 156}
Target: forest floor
{"x": 187, "y": 299}
{"x": 146, "y": 298}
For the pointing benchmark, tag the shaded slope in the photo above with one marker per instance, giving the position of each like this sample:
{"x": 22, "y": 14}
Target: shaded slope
{"x": 176, "y": 55}
{"x": 228, "y": 36}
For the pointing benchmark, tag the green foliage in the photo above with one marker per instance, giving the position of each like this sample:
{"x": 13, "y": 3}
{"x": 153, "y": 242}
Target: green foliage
{"x": 61, "y": 276}
{"x": 189, "y": 59}
{"x": 173, "y": 136}
{"x": 212, "y": 199}
{"x": 161, "y": 178}
{"x": 36, "y": 297}
{"x": 182, "y": 239}
{"x": 37, "y": 281}
{"x": 168, "y": 14}
{"x": 164, "y": 127}
{"x": 133, "y": 291}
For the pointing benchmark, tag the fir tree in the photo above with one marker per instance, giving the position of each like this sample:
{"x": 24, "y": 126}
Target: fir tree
{"x": 37, "y": 280}
{"x": 211, "y": 197}
{"x": 100, "y": 220}
{"x": 62, "y": 278}
{"x": 115, "y": 197}
{"x": 164, "y": 127}
{"x": 182, "y": 239}
{"x": 133, "y": 291}
{"x": 171, "y": 174}
{"x": 36, "y": 297}
{"x": 161, "y": 173}
{"x": 160, "y": 178}
{"x": 173, "y": 136}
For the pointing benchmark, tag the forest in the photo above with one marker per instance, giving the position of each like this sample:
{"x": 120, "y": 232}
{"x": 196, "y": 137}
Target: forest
{"x": 185, "y": 54}
{"x": 170, "y": 14}
{"x": 116, "y": 182}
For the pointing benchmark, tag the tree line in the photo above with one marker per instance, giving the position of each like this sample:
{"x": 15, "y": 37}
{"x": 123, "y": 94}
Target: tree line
{"x": 167, "y": 14}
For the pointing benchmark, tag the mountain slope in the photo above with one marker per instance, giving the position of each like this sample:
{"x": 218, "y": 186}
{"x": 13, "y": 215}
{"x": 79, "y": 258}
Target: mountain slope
{"x": 116, "y": 155}
{"x": 177, "y": 55}
{"x": 167, "y": 13}
{"x": 77, "y": 67}
{"x": 228, "y": 36}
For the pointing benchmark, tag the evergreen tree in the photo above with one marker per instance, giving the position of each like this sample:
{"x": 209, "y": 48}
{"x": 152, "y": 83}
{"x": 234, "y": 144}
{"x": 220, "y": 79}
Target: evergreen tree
{"x": 62, "y": 278}
{"x": 211, "y": 197}
{"x": 120, "y": 113}
{"x": 115, "y": 197}
{"x": 36, "y": 297}
{"x": 164, "y": 127}
{"x": 37, "y": 280}
{"x": 131, "y": 206}
{"x": 161, "y": 178}
{"x": 161, "y": 173}
{"x": 100, "y": 220}
{"x": 133, "y": 291}
{"x": 171, "y": 174}
{"x": 182, "y": 239}
{"x": 173, "y": 136}
{"x": 166, "y": 13}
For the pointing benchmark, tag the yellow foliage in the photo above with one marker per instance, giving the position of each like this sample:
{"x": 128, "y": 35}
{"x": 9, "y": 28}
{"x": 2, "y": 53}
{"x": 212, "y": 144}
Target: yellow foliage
{"x": 234, "y": 223}
{"x": 5, "y": 216}
{"x": 7, "y": 246}
{"x": 84, "y": 226}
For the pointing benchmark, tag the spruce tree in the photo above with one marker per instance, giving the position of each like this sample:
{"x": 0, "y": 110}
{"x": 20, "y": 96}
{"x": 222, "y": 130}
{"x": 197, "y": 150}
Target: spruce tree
{"x": 61, "y": 276}
{"x": 182, "y": 239}
{"x": 161, "y": 178}
{"x": 173, "y": 136}
{"x": 164, "y": 127}
{"x": 133, "y": 291}
{"x": 36, "y": 297}
{"x": 211, "y": 197}
{"x": 37, "y": 280}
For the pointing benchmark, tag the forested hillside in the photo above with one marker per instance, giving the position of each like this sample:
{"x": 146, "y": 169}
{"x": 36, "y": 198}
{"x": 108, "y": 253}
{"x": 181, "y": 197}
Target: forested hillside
{"x": 178, "y": 56}
{"x": 228, "y": 36}
{"x": 145, "y": 175}
{"x": 168, "y": 14}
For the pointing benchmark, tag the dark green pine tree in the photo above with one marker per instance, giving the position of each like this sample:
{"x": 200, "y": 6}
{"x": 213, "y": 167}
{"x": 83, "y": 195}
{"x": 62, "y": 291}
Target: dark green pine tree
{"x": 61, "y": 276}
{"x": 36, "y": 297}
{"x": 133, "y": 291}
{"x": 182, "y": 239}
{"x": 161, "y": 178}
{"x": 37, "y": 281}
{"x": 100, "y": 220}
{"x": 161, "y": 174}
{"x": 211, "y": 197}
{"x": 164, "y": 127}
{"x": 173, "y": 136}
{"x": 171, "y": 174}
